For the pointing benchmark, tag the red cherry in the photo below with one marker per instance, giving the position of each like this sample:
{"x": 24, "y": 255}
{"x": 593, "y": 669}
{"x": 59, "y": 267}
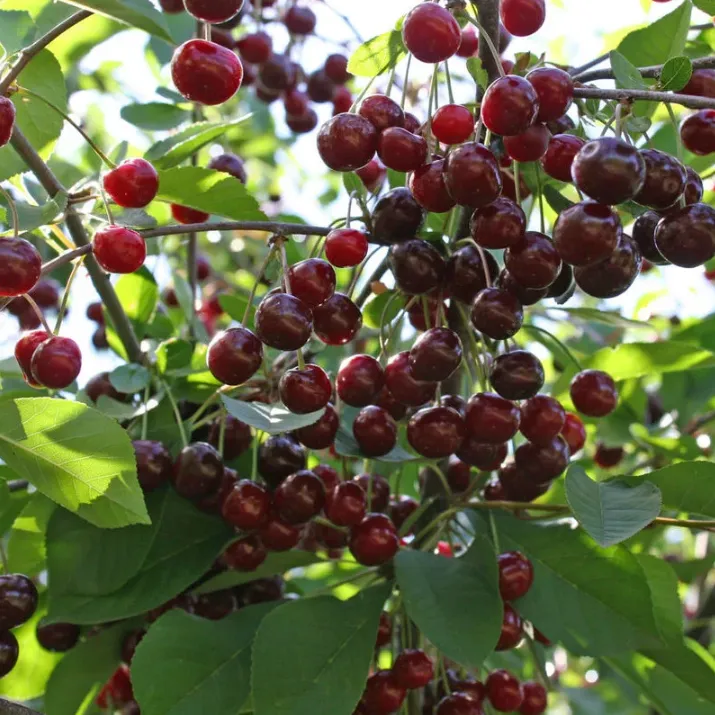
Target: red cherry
{"x": 435, "y": 355}
{"x": 542, "y": 419}
{"x": 228, "y": 164}
{"x": 530, "y": 145}
{"x": 498, "y": 225}
{"x": 607, "y": 457}
{"x": 431, "y": 33}
{"x": 429, "y": 189}
{"x": 375, "y": 431}
{"x": 360, "y": 378}
{"x": 401, "y": 150}
{"x": 554, "y": 88}
{"x": 401, "y": 509}
{"x": 300, "y": 20}
{"x": 376, "y": 488}
{"x": 413, "y": 669}
{"x": 20, "y": 266}
{"x": 492, "y": 419}
{"x": 336, "y": 67}
{"x": 255, "y": 47}
{"x": 483, "y": 456}
{"x": 560, "y": 154}
{"x": 469, "y": 43}
{"x": 383, "y": 694}
{"x": 614, "y": 275}
{"x": 452, "y": 124}
{"x": 305, "y": 390}
{"x": 573, "y": 432}
{"x": 283, "y": 322}
{"x": 517, "y": 375}
{"x": 542, "y": 463}
{"x": 384, "y": 630}
{"x": 347, "y": 142}
{"x": 372, "y": 175}
{"x": 247, "y": 506}
{"x": 295, "y": 102}
{"x": 522, "y": 17}
{"x": 586, "y": 233}
{"x": 198, "y": 471}
{"x": 665, "y": 180}
{"x": 346, "y": 504}
{"x": 382, "y": 112}
{"x": 213, "y": 11}
{"x": 466, "y": 274}
{"x": 234, "y": 355}
{"x": 535, "y": 699}
{"x": 436, "y": 432}
{"x": 533, "y": 262}
{"x": 320, "y": 87}
{"x": 374, "y": 540}
{"x": 516, "y": 575}
{"x": 471, "y": 175}
{"x": 337, "y": 321}
{"x": 312, "y": 281}
{"x": 246, "y": 554}
{"x": 154, "y": 463}
{"x": 459, "y": 474}
{"x": 133, "y": 184}
{"x": 504, "y": 691}
{"x": 25, "y": 349}
{"x": 186, "y": 215}
{"x": 7, "y": 120}
{"x": 205, "y": 72}
{"x": 402, "y": 384}
{"x": 303, "y": 123}
{"x": 56, "y": 362}
{"x": 497, "y": 313}
{"x": 346, "y": 247}
{"x": 119, "y": 249}
{"x": 510, "y": 106}
{"x": 299, "y": 498}
{"x": 698, "y": 132}
{"x": 458, "y": 703}
{"x": 117, "y": 691}
{"x": 321, "y": 434}
{"x": 342, "y": 100}
{"x": 278, "y": 535}
{"x": 594, "y": 393}
{"x": 686, "y": 236}
{"x": 18, "y": 600}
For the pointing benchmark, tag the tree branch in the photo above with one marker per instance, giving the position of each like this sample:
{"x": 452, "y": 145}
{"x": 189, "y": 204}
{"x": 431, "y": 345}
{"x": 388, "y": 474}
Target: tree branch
{"x": 650, "y": 72}
{"x": 9, "y": 708}
{"x": 298, "y": 229}
{"x": 684, "y": 100}
{"x": 489, "y": 20}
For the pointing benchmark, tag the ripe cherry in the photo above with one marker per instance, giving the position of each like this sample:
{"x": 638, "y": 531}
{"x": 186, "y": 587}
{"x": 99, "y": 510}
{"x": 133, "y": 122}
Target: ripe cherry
{"x": 413, "y": 669}
{"x": 497, "y": 313}
{"x": 526, "y": 296}
{"x": 383, "y": 694}
{"x": 20, "y": 266}
{"x": 56, "y": 362}
{"x": 246, "y": 554}
{"x": 452, "y": 124}
{"x": 573, "y": 432}
{"x": 517, "y": 375}
{"x": 458, "y": 703}
{"x": 469, "y": 44}
{"x": 133, "y": 184}
{"x": 644, "y": 235}
{"x": 431, "y": 33}
{"x": 306, "y": 389}
{"x": 403, "y": 385}
{"x": 9, "y": 652}
{"x": 511, "y": 631}
{"x": 7, "y": 120}
{"x": 701, "y": 83}
{"x": 154, "y": 464}
{"x": 372, "y": 175}
{"x": 435, "y": 355}
{"x": 198, "y": 471}
{"x": 359, "y": 380}
{"x": 346, "y": 504}
{"x": 336, "y": 67}
{"x": 18, "y": 600}
{"x": 417, "y": 265}
{"x": 283, "y": 322}
{"x": 396, "y": 216}
{"x": 58, "y": 637}
{"x": 278, "y": 535}
{"x": 377, "y": 489}
{"x": 471, "y": 175}
{"x": 375, "y": 431}
{"x": 594, "y": 393}
{"x": 459, "y": 474}
{"x": 300, "y": 20}
{"x": 491, "y": 419}
{"x": 504, "y": 691}
{"x": 321, "y": 434}
{"x": 299, "y": 498}
{"x": 401, "y": 150}
{"x": 607, "y": 457}
{"x": 247, "y": 506}
{"x": 384, "y": 630}
{"x": 119, "y": 249}
{"x": 255, "y": 47}
{"x": 542, "y": 463}
{"x": 427, "y": 184}
{"x": 234, "y": 355}
{"x": 401, "y": 509}
{"x": 25, "y": 349}
{"x": 686, "y": 237}
{"x": 312, "y": 281}
{"x": 205, "y": 72}
{"x": 374, "y": 540}
{"x": 560, "y": 154}
{"x": 229, "y": 164}
{"x": 278, "y": 457}
{"x": 614, "y": 275}
{"x": 187, "y": 215}
{"x": 693, "y": 192}
{"x": 337, "y": 321}
{"x": 665, "y": 179}
{"x": 530, "y": 145}
{"x": 534, "y": 261}
{"x": 346, "y": 247}
{"x": 535, "y": 699}
{"x": 382, "y": 112}
{"x": 436, "y": 432}
{"x": 483, "y": 456}
{"x": 522, "y": 17}
{"x": 213, "y": 11}
{"x": 554, "y": 88}
{"x": 516, "y": 575}
{"x": 342, "y": 100}
{"x": 466, "y": 274}
{"x": 237, "y": 436}
{"x": 542, "y": 419}
{"x": 698, "y": 132}
{"x": 347, "y": 142}
{"x": 510, "y": 106}
{"x": 586, "y": 233}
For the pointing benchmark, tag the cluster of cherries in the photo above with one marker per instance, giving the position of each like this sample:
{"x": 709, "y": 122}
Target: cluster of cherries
{"x": 18, "y": 603}
{"x": 45, "y": 294}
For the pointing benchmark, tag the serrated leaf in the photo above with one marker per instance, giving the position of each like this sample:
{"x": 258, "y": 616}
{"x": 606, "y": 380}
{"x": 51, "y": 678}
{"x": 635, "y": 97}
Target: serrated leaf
{"x": 627, "y": 75}
{"x": 686, "y": 486}
{"x": 676, "y": 73}
{"x": 378, "y": 55}
{"x": 30, "y": 217}
{"x": 667, "y": 608}
{"x": 353, "y": 184}
{"x": 16, "y": 28}
{"x": 129, "y": 378}
{"x": 271, "y": 419}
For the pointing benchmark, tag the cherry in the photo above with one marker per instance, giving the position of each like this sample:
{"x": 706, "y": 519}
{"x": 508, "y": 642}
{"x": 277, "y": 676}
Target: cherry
{"x": 614, "y": 275}
{"x": 466, "y": 274}
{"x": 517, "y": 375}
{"x": 347, "y": 142}
{"x": 9, "y": 652}
{"x": 236, "y": 438}
{"x": 279, "y": 456}
{"x": 456, "y": 402}
{"x": 573, "y": 432}
{"x": 387, "y": 401}
{"x": 342, "y": 100}
{"x": 608, "y": 170}
{"x": 644, "y": 235}
{"x": 510, "y": 105}
{"x": 586, "y": 233}
{"x": 100, "y": 385}
{"x": 346, "y": 504}
{"x": 458, "y": 703}
{"x": 686, "y": 237}
{"x": 424, "y": 313}
{"x": 554, "y": 88}
{"x": 213, "y": 11}
{"x": 530, "y": 145}
{"x": 119, "y": 249}
{"x": 525, "y": 296}
{"x": 401, "y": 509}
{"x": 665, "y": 179}
{"x": 337, "y": 321}
{"x": 396, "y": 216}
{"x": 417, "y": 265}
{"x": 303, "y": 123}
{"x": 497, "y": 313}
{"x": 57, "y": 637}
{"x": 403, "y": 385}
{"x": 375, "y": 431}
{"x": 336, "y": 67}
{"x": 133, "y": 184}
{"x": 20, "y": 266}
{"x": 471, "y": 688}
{"x": 522, "y": 17}
{"x": 305, "y": 390}
{"x": 539, "y": 636}
{"x": 607, "y": 457}
{"x": 246, "y": 554}
{"x": 383, "y": 694}
{"x": 255, "y": 47}
{"x": 491, "y": 419}
{"x": 117, "y": 691}
{"x": 401, "y": 150}
{"x": 469, "y": 43}
{"x": 693, "y": 192}
{"x": 594, "y": 393}
{"x": 187, "y": 215}
{"x": 452, "y": 124}
{"x": 516, "y": 575}
{"x": 384, "y": 630}
{"x": 56, "y": 362}
{"x": 300, "y": 20}
{"x": 283, "y": 322}
{"x": 534, "y": 261}
{"x": 427, "y": 184}
{"x": 278, "y": 535}
{"x": 382, "y": 112}
{"x": 511, "y": 631}
{"x": 698, "y": 132}
{"x": 504, "y": 691}
{"x": 154, "y": 464}
{"x": 412, "y": 124}
{"x": 436, "y": 432}
{"x": 374, "y": 540}
{"x": 7, "y": 120}
{"x": 435, "y": 355}
{"x": 535, "y": 698}
{"x": 214, "y": 606}
{"x": 205, "y": 72}
{"x": 247, "y": 506}
{"x": 542, "y": 463}
{"x": 372, "y": 175}
{"x": 471, "y": 175}
{"x": 18, "y": 600}
{"x": 509, "y": 186}
{"x": 459, "y": 474}
{"x": 46, "y": 294}
{"x": 431, "y": 33}
{"x": 229, "y": 164}
{"x": 299, "y": 498}
{"x": 346, "y": 247}
{"x": 560, "y": 154}
{"x": 377, "y": 489}
{"x": 494, "y": 491}
{"x": 25, "y": 349}
{"x": 321, "y": 434}
{"x": 360, "y": 378}
{"x": 481, "y": 455}
{"x": 413, "y": 669}
{"x": 295, "y": 102}
{"x": 542, "y": 419}
{"x": 198, "y": 471}
{"x": 234, "y": 355}
{"x": 277, "y": 73}
{"x": 312, "y": 281}
{"x": 701, "y": 83}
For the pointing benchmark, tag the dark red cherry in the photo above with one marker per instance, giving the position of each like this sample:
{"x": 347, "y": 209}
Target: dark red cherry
{"x": 229, "y": 164}
{"x": 424, "y": 313}
{"x": 320, "y": 87}
{"x": 372, "y": 175}
{"x": 101, "y": 385}
{"x": 375, "y": 431}
{"x": 360, "y": 378}
{"x": 18, "y": 600}
{"x": 413, "y": 669}
{"x": 560, "y": 154}
{"x": 542, "y": 463}
{"x": 119, "y": 249}
{"x": 46, "y": 294}
{"x": 213, "y": 11}
{"x": 25, "y": 349}
{"x": 342, "y": 100}
{"x": 594, "y": 393}
{"x": 512, "y": 629}
{"x": 417, "y": 265}
{"x": 498, "y": 225}
{"x": 278, "y": 457}
{"x": 321, "y": 434}
{"x": 312, "y": 281}
{"x": 607, "y": 457}
{"x": 403, "y": 385}
{"x": 693, "y": 192}
{"x": 526, "y": 296}
{"x": 494, "y": 491}
{"x": 510, "y": 106}
{"x": 458, "y": 703}
{"x": 384, "y": 630}
{"x": 300, "y": 20}
{"x": 534, "y": 261}
{"x": 396, "y": 216}
{"x": 471, "y": 175}
{"x": 283, "y": 322}
{"x": 614, "y": 275}
{"x": 517, "y": 486}
{"x": 237, "y": 436}
{"x": 337, "y": 321}
{"x": 431, "y": 33}
{"x": 246, "y": 554}
{"x": 609, "y": 170}
{"x": 665, "y": 179}
{"x": 504, "y": 691}
{"x": 483, "y": 456}
{"x": 56, "y": 362}
{"x": 234, "y": 355}
{"x": 205, "y": 72}
{"x": 644, "y": 235}
{"x": 7, "y": 120}
{"x": 491, "y": 419}
{"x": 573, "y": 432}
{"x": 58, "y": 637}
{"x": 255, "y": 47}
{"x": 452, "y": 124}
{"x": 516, "y": 575}
{"x": 336, "y": 67}
{"x": 459, "y": 474}
{"x": 346, "y": 247}
{"x": 466, "y": 275}
{"x": 382, "y": 112}
{"x": 497, "y": 313}
{"x": 542, "y": 419}
{"x": 469, "y": 44}
{"x": 186, "y": 215}
{"x": 586, "y": 233}
{"x": 377, "y": 489}
{"x": 535, "y": 698}
{"x": 20, "y": 266}
{"x": 698, "y": 132}
{"x": 517, "y": 375}
{"x": 299, "y": 498}
{"x": 278, "y": 535}
{"x": 701, "y": 83}
{"x": 522, "y": 17}
{"x": 374, "y": 540}
{"x": 436, "y": 432}
{"x": 9, "y": 652}
{"x": 295, "y": 102}
{"x": 347, "y": 142}
{"x": 133, "y": 184}
{"x": 154, "y": 464}
{"x": 401, "y": 150}
{"x": 383, "y": 694}
{"x": 305, "y": 390}
{"x": 554, "y": 88}
{"x": 401, "y": 509}
{"x": 247, "y": 506}
{"x": 435, "y": 355}
{"x": 530, "y": 145}
{"x": 303, "y": 123}
{"x": 686, "y": 237}
{"x": 346, "y": 504}
{"x": 198, "y": 471}
{"x": 427, "y": 184}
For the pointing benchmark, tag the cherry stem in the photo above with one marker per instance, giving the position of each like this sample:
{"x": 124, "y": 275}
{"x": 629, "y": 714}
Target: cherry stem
{"x": 651, "y": 72}
{"x": 222, "y": 432}
{"x": 450, "y": 91}
{"x": 391, "y": 80}
{"x": 358, "y": 99}
{"x": 538, "y": 667}
{"x": 647, "y": 95}
{"x": 38, "y": 311}
{"x": 13, "y": 212}
{"x": 284, "y": 264}
{"x": 678, "y": 139}
{"x": 282, "y": 229}
{"x": 66, "y": 295}
{"x": 177, "y": 414}
{"x": 405, "y": 82}
{"x": 254, "y": 457}
{"x": 145, "y": 416}
{"x": 105, "y": 201}
{"x": 517, "y": 187}
{"x": 541, "y": 197}
{"x": 259, "y": 276}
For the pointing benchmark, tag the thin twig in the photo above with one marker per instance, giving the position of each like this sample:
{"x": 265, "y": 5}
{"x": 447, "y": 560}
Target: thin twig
{"x": 650, "y": 72}
{"x": 684, "y": 100}
{"x": 298, "y": 229}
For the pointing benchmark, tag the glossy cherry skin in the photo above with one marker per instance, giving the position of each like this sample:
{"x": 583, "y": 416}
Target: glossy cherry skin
{"x": 431, "y": 33}
{"x": 25, "y": 349}
{"x": 701, "y": 83}
{"x": 436, "y": 432}
{"x": 698, "y": 132}
{"x": 133, "y": 184}
{"x": 693, "y": 192}
{"x": 542, "y": 419}
{"x": 58, "y": 637}
{"x": 375, "y": 431}
{"x": 154, "y": 464}
{"x": 305, "y": 390}
{"x": 459, "y": 474}
{"x": 492, "y": 419}
{"x": 278, "y": 535}
{"x": 554, "y": 87}
{"x": 413, "y": 669}
{"x": 594, "y": 393}
{"x": 7, "y": 120}
{"x": 525, "y": 296}
{"x": 359, "y": 380}
{"x": 452, "y": 124}
{"x": 424, "y": 313}
{"x": 383, "y": 694}
{"x": 517, "y": 486}
{"x": 247, "y": 506}
{"x": 283, "y": 322}
{"x": 436, "y": 355}
{"x": 187, "y": 215}
{"x": 337, "y": 321}
{"x": 213, "y": 11}
{"x": 278, "y": 457}
{"x": 295, "y": 102}
{"x": 100, "y": 385}
{"x": 497, "y": 313}
{"x": 346, "y": 504}
{"x": 198, "y": 471}
{"x": 471, "y": 175}
{"x": 483, "y": 456}
{"x": 56, "y": 363}
{"x": 644, "y": 235}
{"x": 417, "y": 265}
{"x": 20, "y": 266}
{"x": 374, "y": 540}
{"x": 427, "y": 184}
{"x": 517, "y": 375}
{"x": 560, "y": 154}
{"x": 234, "y": 355}
{"x": 336, "y": 67}
{"x": 119, "y": 249}
{"x": 504, "y": 691}
{"x": 372, "y": 175}
{"x": 18, "y": 600}
{"x": 401, "y": 150}
{"x": 573, "y": 432}
{"x": 466, "y": 274}
{"x": 403, "y": 385}
{"x": 321, "y": 434}
{"x": 511, "y": 631}
{"x": 607, "y": 457}
{"x": 510, "y": 106}
{"x": 382, "y": 112}
{"x": 586, "y": 233}
{"x": 613, "y": 276}
{"x": 534, "y": 261}
{"x": 469, "y": 44}
{"x": 347, "y": 141}
{"x": 609, "y": 170}
{"x": 458, "y": 703}
{"x": 346, "y": 247}
{"x": 255, "y": 47}
{"x": 396, "y": 216}
{"x": 246, "y": 554}
{"x": 516, "y": 575}
{"x": 530, "y": 145}
{"x": 542, "y": 463}
{"x": 665, "y": 179}
{"x": 686, "y": 237}
{"x": 300, "y": 20}
{"x": 377, "y": 489}
{"x": 299, "y": 498}
{"x": 535, "y": 699}
{"x": 312, "y": 281}
{"x": 205, "y": 72}
{"x": 229, "y": 164}
{"x": 9, "y": 652}
{"x": 522, "y": 17}
{"x": 384, "y": 630}
{"x": 342, "y": 100}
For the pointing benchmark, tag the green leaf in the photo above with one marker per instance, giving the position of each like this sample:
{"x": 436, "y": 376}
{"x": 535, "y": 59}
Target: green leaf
{"x": 346, "y": 446}
{"x": 329, "y": 644}
{"x": 378, "y": 55}
{"x": 135, "y": 13}
{"x": 26, "y": 546}
{"x": 556, "y": 199}
{"x": 154, "y": 115}
{"x": 129, "y": 378}
{"x": 202, "y": 665}
{"x": 373, "y": 310}
{"x": 627, "y": 75}
{"x": 353, "y": 184}
{"x": 186, "y": 303}
{"x": 660, "y": 40}
{"x": 477, "y": 72}
{"x": 173, "y": 354}
{"x": 11, "y": 504}
{"x": 16, "y": 28}
{"x": 676, "y": 73}
{"x": 211, "y": 191}
{"x": 271, "y": 419}
{"x": 30, "y": 217}
{"x": 604, "y": 316}
{"x": 611, "y": 511}
{"x": 179, "y": 547}
{"x": 687, "y": 486}
{"x": 688, "y": 571}
{"x": 235, "y": 307}
{"x": 454, "y": 602}
{"x": 667, "y": 608}
{"x": 74, "y": 455}
{"x": 707, "y": 6}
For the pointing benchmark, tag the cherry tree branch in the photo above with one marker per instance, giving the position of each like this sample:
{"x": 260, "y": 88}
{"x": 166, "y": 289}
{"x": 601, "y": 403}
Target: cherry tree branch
{"x": 489, "y": 20}
{"x": 297, "y": 229}
{"x": 9, "y": 708}
{"x": 650, "y": 72}
{"x": 684, "y": 100}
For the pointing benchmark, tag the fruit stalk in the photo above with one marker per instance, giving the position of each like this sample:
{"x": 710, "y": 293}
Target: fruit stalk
{"x": 684, "y": 100}
{"x": 650, "y": 72}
